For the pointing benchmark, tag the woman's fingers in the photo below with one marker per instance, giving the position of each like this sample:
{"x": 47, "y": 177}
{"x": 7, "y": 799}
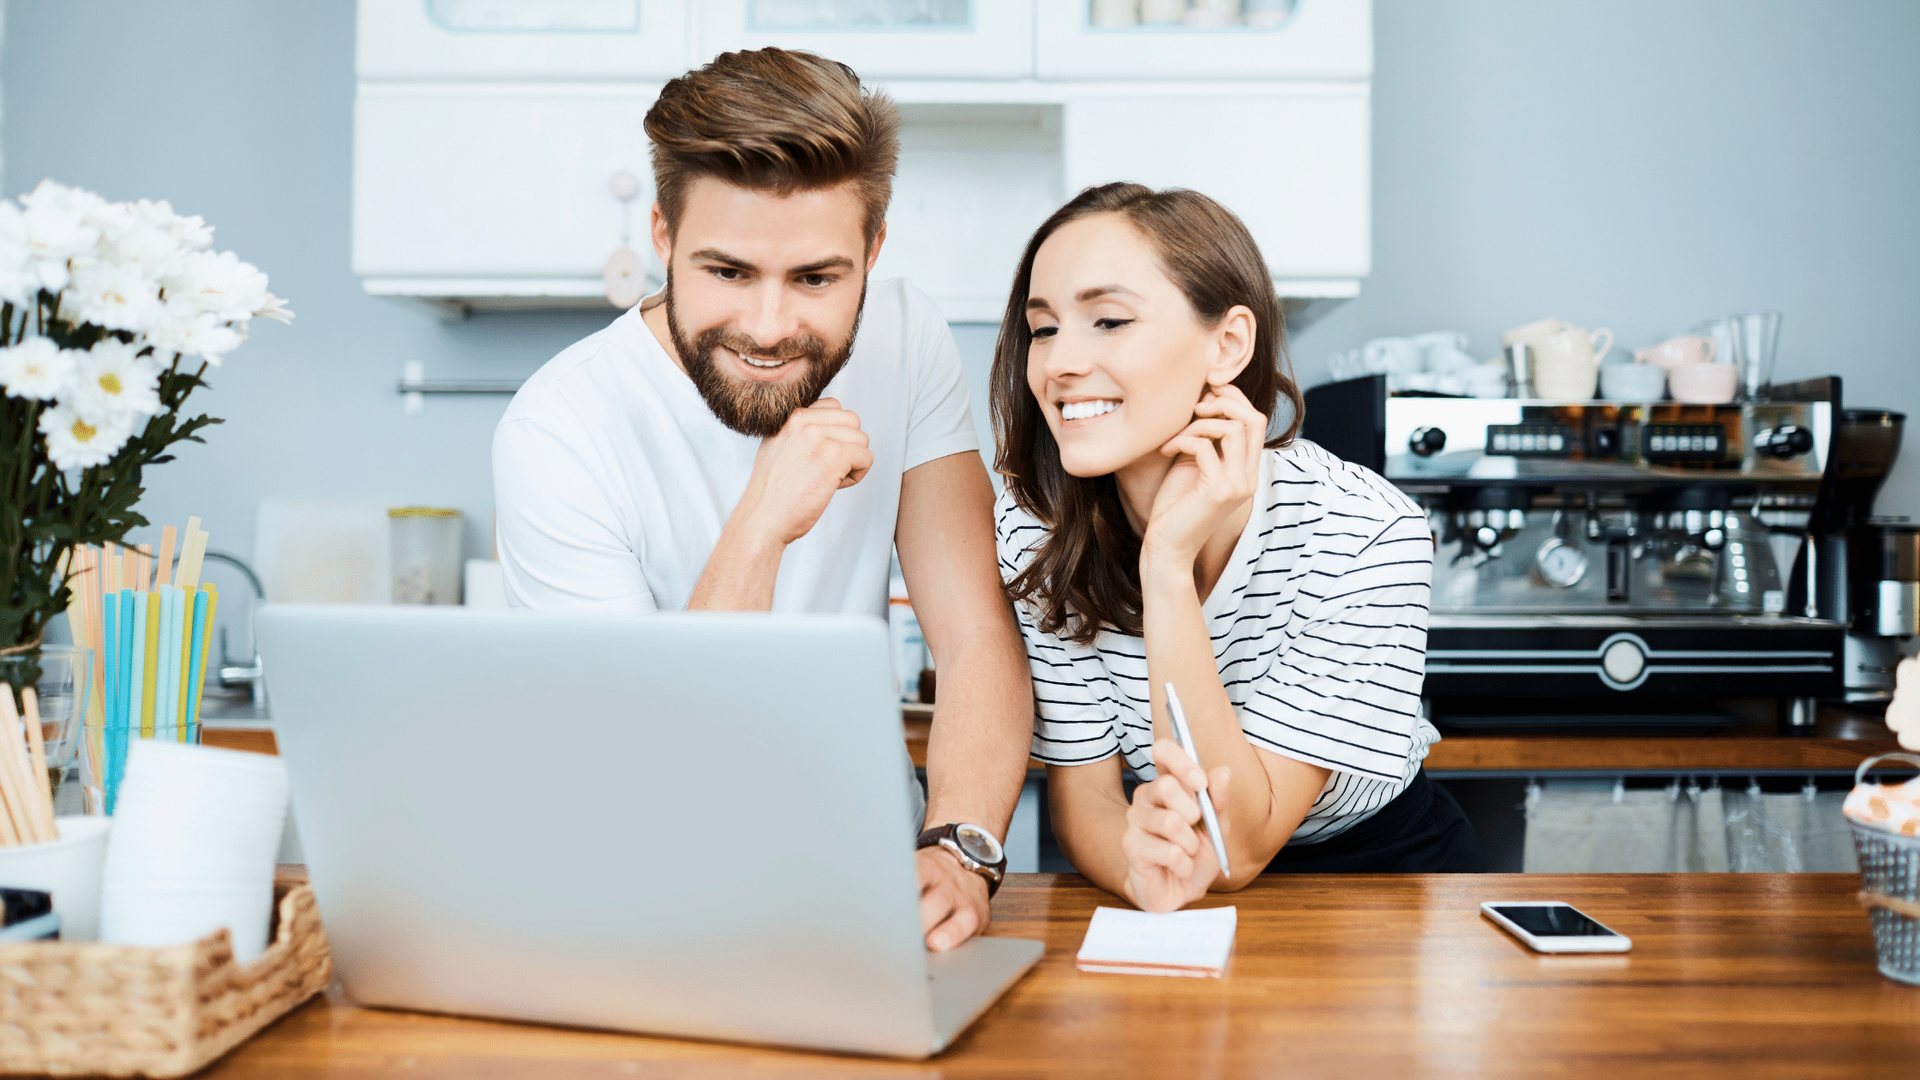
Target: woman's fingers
{"x": 1170, "y": 760}
{"x": 1147, "y": 852}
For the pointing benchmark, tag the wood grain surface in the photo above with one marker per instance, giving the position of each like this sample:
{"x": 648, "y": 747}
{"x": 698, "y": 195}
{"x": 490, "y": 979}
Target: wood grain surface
{"x": 1749, "y": 975}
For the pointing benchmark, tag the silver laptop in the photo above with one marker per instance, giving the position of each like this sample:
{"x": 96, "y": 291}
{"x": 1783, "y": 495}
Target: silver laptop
{"x": 682, "y": 824}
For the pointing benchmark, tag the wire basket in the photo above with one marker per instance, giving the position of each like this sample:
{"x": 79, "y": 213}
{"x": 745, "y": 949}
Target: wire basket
{"x": 1890, "y": 887}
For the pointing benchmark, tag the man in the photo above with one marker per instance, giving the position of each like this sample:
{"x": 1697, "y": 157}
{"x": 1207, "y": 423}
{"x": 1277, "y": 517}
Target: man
{"x": 762, "y": 433}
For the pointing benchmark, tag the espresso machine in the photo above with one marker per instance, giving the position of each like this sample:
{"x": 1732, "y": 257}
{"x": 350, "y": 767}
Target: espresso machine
{"x": 1607, "y": 565}
{"x": 1857, "y": 568}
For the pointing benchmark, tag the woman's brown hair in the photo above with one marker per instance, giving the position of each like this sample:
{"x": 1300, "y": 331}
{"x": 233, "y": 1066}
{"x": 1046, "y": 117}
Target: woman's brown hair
{"x": 1085, "y": 573}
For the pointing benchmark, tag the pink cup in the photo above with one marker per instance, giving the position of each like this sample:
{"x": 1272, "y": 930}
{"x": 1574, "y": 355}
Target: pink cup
{"x": 1685, "y": 349}
{"x": 1703, "y": 384}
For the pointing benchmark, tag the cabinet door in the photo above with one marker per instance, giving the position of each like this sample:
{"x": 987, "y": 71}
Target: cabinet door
{"x": 884, "y": 38}
{"x": 496, "y": 181}
{"x": 1292, "y": 162}
{"x": 1309, "y": 39}
{"x": 521, "y": 39}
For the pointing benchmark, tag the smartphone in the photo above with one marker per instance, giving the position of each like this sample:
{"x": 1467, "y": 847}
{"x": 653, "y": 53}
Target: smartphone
{"x": 1552, "y": 927}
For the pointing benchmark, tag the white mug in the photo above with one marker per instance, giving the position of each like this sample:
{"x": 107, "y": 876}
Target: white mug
{"x": 1567, "y": 366}
{"x": 1535, "y": 333}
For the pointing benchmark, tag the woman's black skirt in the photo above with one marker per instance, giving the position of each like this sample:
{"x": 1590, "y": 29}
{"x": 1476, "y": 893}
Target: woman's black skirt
{"x": 1422, "y": 831}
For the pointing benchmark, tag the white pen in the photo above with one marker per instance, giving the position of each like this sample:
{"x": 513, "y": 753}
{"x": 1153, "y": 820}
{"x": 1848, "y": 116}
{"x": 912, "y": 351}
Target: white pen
{"x": 1180, "y": 732}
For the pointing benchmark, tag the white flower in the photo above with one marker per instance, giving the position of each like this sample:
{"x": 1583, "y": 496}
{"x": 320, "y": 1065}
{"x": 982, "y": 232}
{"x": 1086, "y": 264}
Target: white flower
{"x": 18, "y": 279}
{"x": 114, "y": 382}
{"x": 54, "y": 235}
{"x": 219, "y": 283}
{"x": 183, "y": 328}
{"x": 152, "y": 248}
{"x": 74, "y": 442}
{"x": 118, "y": 296}
{"x": 37, "y": 368}
{"x": 191, "y": 233}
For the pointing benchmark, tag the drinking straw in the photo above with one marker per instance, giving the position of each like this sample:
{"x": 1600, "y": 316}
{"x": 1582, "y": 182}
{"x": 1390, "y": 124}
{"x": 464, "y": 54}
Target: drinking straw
{"x": 150, "y": 658}
{"x": 185, "y": 602}
{"x": 110, "y": 665}
{"x": 123, "y": 718}
{"x": 140, "y": 718}
{"x": 18, "y": 772}
{"x": 164, "y": 690}
{"x": 37, "y": 751}
{"x": 164, "y": 576}
{"x": 195, "y": 665}
{"x": 205, "y": 648}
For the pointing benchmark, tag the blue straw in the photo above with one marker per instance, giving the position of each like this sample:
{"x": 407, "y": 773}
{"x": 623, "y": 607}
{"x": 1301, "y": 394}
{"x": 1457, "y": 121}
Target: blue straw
{"x": 109, "y": 685}
{"x": 194, "y": 673}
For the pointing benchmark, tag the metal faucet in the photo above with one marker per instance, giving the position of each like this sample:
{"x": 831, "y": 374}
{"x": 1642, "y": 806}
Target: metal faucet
{"x": 251, "y": 673}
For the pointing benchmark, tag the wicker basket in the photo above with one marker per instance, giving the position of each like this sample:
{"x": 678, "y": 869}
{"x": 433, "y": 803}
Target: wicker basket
{"x": 1890, "y": 887}
{"x": 124, "y": 1010}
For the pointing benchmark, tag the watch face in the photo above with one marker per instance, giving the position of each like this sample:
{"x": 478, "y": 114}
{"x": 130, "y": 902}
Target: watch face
{"x": 978, "y": 843}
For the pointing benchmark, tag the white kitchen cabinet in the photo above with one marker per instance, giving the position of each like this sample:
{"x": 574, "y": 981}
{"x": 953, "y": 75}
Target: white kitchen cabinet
{"x": 978, "y": 39}
{"x": 580, "y": 40}
{"x": 1318, "y": 39}
{"x": 1292, "y": 161}
{"x": 483, "y": 191}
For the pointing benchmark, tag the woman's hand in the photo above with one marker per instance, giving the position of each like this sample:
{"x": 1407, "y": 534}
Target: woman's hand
{"x": 1903, "y": 715}
{"x": 1170, "y": 860}
{"x": 1215, "y": 470}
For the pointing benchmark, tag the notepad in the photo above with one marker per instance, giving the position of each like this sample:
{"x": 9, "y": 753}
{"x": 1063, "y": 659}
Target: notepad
{"x": 1191, "y": 943}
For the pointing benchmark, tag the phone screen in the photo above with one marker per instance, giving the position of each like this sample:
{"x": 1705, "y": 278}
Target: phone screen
{"x": 1555, "y": 920}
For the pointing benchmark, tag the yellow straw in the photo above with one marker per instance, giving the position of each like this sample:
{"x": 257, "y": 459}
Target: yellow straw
{"x": 152, "y": 688}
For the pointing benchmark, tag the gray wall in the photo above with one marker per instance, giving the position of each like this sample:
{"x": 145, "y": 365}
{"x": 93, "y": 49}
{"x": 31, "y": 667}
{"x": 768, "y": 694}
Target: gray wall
{"x": 1637, "y": 164}
{"x": 1644, "y": 164}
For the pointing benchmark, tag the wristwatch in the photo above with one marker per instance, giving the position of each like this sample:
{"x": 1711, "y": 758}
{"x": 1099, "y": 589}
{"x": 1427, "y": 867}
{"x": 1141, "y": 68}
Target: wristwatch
{"x": 974, "y": 846}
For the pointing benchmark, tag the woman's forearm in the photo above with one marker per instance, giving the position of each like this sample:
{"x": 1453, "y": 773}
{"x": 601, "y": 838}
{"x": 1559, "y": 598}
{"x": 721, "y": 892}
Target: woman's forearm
{"x": 1180, "y": 651}
{"x": 1090, "y": 820}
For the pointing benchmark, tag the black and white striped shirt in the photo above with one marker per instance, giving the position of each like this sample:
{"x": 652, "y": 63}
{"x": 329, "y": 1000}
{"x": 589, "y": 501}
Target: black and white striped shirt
{"x": 1319, "y": 627}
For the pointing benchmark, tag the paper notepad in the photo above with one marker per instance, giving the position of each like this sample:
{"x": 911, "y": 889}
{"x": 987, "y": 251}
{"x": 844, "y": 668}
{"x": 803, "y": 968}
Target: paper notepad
{"x": 1192, "y": 943}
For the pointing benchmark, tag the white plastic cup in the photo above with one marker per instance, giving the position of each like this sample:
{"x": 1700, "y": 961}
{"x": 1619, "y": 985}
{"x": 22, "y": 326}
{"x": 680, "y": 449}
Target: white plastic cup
{"x": 193, "y": 847}
{"x": 69, "y": 868}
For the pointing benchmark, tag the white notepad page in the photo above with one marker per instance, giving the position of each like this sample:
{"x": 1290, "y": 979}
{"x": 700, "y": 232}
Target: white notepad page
{"x": 1126, "y": 942}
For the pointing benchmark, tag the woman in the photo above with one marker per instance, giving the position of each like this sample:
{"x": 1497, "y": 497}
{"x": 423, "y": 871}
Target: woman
{"x": 1150, "y": 534}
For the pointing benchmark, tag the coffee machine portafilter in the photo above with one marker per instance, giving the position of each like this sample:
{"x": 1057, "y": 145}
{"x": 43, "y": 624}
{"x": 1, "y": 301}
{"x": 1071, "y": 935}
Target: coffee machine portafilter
{"x": 1603, "y": 564}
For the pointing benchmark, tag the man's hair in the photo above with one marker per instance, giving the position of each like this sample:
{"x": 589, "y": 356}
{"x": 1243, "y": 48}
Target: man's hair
{"x": 774, "y": 120}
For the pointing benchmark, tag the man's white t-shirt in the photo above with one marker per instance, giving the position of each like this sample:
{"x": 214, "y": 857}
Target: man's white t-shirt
{"x": 612, "y": 478}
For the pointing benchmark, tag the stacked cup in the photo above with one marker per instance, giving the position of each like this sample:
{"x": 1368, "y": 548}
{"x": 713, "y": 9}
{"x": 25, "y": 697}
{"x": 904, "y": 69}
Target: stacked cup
{"x": 195, "y": 831}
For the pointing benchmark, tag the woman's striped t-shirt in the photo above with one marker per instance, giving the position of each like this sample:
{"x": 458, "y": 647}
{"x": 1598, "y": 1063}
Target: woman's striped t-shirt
{"x": 1319, "y": 627}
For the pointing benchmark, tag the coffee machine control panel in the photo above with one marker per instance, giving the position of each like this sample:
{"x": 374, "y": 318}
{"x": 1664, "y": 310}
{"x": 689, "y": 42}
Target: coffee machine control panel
{"x": 1511, "y": 439}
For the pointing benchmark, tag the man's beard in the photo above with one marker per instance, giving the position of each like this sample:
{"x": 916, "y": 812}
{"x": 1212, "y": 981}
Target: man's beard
{"x": 755, "y": 408}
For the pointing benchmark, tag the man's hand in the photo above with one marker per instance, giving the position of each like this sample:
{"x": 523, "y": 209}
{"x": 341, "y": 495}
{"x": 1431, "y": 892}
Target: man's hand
{"x": 953, "y": 899}
{"x": 819, "y": 450}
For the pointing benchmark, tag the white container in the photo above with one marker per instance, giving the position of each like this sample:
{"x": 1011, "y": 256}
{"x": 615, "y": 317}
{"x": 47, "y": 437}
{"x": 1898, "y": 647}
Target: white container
{"x": 196, "y": 832}
{"x": 69, "y": 868}
{"x": 426, "y": 555}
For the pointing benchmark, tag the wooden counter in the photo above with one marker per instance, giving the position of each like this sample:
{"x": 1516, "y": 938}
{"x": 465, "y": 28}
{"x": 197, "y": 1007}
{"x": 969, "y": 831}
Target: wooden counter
{"x": 1840, "y": 742}
{"x": 1752, "y": 975}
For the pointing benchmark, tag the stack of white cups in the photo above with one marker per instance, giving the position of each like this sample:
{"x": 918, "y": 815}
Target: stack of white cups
{"x": 195, "y": 831}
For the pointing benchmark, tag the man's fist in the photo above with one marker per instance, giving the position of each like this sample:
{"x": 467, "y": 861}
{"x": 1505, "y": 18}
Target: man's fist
{"x": 818, "y": 451}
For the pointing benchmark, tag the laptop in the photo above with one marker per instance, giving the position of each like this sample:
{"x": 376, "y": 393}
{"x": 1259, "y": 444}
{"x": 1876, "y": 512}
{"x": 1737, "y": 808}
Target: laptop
{"x": 679, "y": 824}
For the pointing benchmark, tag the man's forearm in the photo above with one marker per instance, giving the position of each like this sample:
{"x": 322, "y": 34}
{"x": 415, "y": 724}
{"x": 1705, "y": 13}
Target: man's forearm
{"x": 741, "y": 572}
{"x": 982, "y": 729}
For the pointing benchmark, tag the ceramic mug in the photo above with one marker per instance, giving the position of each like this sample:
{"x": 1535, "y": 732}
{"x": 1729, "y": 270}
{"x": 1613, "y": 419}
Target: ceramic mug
{"x": 1703, "y": 384}
{"x": 1535, "y": 334}
{"x": 1567, "y": 365}
{"x": 1632, "y": 382}
{"x": 1685, "y": 349}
